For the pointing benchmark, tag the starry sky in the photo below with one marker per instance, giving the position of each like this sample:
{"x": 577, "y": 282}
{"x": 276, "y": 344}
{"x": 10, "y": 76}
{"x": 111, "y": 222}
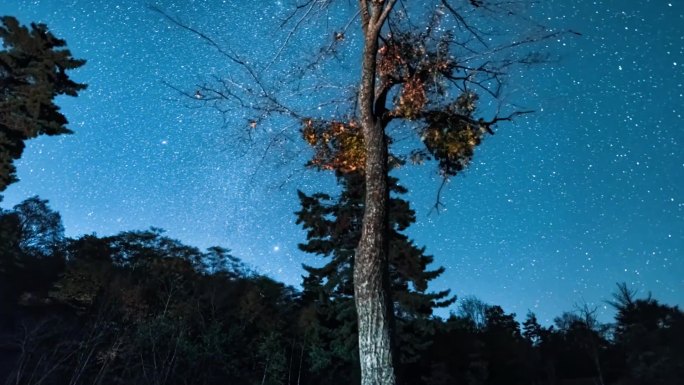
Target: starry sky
{"x": 556, "y": 208}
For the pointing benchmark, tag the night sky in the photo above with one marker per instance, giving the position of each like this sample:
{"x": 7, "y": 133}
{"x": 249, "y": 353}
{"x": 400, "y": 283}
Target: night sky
{"x": 556, "y": 208}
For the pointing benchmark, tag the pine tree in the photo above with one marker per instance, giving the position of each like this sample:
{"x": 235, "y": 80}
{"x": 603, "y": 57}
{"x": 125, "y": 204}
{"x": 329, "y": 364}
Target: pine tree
{"x": 333, "y": 229}
{"x": 33, "y": 69}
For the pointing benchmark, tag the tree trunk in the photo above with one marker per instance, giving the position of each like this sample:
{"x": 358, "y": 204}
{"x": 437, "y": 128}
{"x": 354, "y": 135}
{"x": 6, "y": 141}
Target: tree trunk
{"x": 371, "y": 274}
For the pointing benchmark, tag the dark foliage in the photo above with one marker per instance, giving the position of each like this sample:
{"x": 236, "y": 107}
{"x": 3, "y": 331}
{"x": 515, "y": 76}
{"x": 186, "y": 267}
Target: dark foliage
{"x": 33, "y": 72}
{"x": 141, "y": 308}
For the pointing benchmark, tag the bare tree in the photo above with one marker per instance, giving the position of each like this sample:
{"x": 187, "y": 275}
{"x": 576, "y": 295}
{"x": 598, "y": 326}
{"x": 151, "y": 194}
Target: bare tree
{"x": 473, "y": 309}
{"x": 593, "y": 337}
{"x": 423, "y": 77}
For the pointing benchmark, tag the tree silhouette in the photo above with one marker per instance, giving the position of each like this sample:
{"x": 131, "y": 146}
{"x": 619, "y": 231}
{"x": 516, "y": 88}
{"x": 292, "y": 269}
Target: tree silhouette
{"x": 42, "y": 232}
{"x": 33, "y": 72}
{"x": 31, "y": 247}
{"x": 649, "y": 334}
{"x": 138, "y": 308}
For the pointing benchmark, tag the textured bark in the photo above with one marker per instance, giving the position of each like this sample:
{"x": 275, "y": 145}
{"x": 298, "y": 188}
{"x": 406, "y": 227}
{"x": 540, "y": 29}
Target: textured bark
{"x": 370, "y": 270}
{"x": 370, "y": 262}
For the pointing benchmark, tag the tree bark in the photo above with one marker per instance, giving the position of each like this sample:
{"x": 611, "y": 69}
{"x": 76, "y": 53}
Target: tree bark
{"x": 370, "y": 275}
{"x": 371, "y": 291}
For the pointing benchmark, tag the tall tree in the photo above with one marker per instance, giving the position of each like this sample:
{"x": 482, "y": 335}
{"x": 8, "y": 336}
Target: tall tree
{"x": 33, "y": 72}
{"x": 425, "y": 79}
{"x": 333, "y": 230}
{"x": 421, "y": 71}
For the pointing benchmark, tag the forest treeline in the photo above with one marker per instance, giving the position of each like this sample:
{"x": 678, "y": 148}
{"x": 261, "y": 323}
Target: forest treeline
{"x": 142, "y": 308}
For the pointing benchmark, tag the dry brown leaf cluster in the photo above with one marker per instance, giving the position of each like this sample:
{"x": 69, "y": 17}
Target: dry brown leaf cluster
{"x": 337, "y": 145}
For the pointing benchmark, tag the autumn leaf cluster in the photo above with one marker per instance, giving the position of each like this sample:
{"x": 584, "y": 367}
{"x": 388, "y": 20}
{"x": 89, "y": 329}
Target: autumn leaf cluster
{"x": 420, "y": 83}
{"x": 337, "y": 145}
{"x": 406, "y": 60}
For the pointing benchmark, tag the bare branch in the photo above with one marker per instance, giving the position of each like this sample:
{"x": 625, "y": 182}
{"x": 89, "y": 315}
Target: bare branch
{"x": 385, "y": 13}
{"x": 365, "y": 15}
{"x": 463, "y": 23}
{"x": 526, "y": 41}
{"x": 229, "y": 54}
{"x": 438, "y": 198}
{"x": 289, "y": 36}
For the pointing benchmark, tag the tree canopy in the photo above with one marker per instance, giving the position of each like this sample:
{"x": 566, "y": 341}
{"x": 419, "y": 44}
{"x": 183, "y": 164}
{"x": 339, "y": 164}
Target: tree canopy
{"x": 33, "y": 72}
